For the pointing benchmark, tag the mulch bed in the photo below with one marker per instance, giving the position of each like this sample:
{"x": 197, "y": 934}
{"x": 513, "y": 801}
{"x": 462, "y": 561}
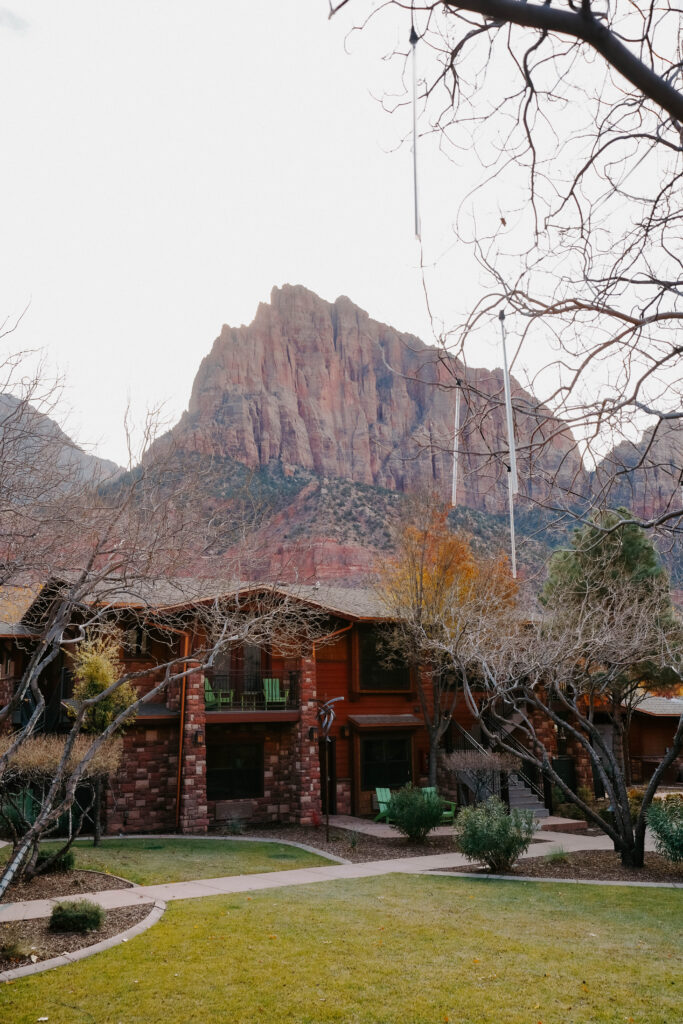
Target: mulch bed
{"x": 66, "y": 883}
{"x": 33, "y": 938}
{"x": 592, "y": 865}
{"x": 355, "y": 846}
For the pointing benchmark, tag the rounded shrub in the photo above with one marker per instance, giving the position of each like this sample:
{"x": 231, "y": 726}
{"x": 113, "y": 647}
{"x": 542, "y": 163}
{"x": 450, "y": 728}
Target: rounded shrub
{"x": 62, "y": 862}
{"x": 490, "y": 834}
{"x": 77, "y": 916}
{"x": 665, "y": 818}
{"x": 413, "y": 813}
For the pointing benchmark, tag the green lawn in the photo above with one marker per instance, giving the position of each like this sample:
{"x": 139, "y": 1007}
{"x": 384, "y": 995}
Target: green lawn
{"x": 390, "y": 950}
{"x": 151, "y": 861}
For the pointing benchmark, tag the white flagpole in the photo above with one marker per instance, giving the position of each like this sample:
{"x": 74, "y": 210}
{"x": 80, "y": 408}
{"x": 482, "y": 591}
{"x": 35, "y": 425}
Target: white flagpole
{"x": 413, "y": 42}
{"x": 456, "y": 433}
{"x": 513, "y": 550}
{"x": 513, "y": 483}
{"x": 508, "y": 409}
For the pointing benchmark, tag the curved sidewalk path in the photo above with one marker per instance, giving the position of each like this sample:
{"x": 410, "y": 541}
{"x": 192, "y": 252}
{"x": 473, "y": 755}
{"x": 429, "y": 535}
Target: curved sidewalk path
{"x": 199, "y": 888}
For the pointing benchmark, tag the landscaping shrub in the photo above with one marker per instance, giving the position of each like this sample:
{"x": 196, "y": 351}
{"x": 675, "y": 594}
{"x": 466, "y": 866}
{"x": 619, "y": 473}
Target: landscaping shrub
{"x": 559, "y": 856}
{"x": 64, "y": 861}
{"x": 77, "y": 916}
{"x": 488, "y": 833}
{"x": 665, "y": 819}
{"x": 12, "y": 945}
{"x": 413, "y": 813}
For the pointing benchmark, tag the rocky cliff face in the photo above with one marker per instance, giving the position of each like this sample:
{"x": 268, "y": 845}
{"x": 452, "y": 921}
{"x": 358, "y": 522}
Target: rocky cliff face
{"x": 322, "y": 386}
{"x": 645, "y": 477}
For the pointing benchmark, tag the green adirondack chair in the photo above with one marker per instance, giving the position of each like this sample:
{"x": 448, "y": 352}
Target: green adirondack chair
{"x": 210, "y": 699}
{"x": 225, "y": 698}
{"x": 271, "y": 693}
{"x": 448, "y": 816}
{"x": 383, "y": 797}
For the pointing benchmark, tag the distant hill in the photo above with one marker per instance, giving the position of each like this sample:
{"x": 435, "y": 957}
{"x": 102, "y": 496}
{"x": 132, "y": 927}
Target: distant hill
{"x": 32, "y": 443}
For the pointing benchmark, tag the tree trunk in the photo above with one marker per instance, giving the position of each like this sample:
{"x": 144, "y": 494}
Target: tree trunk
{"x": 433, "y": 758}
{"x": 633, "y": 857}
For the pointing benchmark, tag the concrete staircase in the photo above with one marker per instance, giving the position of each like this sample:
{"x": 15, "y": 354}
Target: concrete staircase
{"x": 523, "y": 798}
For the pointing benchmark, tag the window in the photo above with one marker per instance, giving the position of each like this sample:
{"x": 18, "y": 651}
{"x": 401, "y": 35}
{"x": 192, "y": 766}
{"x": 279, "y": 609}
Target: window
{"x": 234, "y": 771}
{"x": 385, "y": 761}
{"x": 135, "y": 642}
{"x": 374, "y": 674}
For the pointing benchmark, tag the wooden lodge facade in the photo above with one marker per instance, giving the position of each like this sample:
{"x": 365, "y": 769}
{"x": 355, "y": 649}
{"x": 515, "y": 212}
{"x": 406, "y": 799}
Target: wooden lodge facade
{"x": 240, "y": 741}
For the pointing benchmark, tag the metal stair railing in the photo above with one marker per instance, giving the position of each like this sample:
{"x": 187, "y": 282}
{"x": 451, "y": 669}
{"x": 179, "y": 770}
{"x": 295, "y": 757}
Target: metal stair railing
{"x": 518, "y": 747}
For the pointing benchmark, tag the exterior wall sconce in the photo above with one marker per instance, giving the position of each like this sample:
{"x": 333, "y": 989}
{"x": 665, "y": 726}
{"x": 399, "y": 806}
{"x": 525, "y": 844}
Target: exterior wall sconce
{"x": 199, "y": 738}
{"x": 312, "y": 733}
{"x": 344, "y": 732}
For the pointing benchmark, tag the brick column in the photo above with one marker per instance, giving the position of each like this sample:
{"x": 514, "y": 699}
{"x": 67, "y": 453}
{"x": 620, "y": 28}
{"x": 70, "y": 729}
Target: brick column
{"x": 306, "y": 801}
{"x": 193, "y": 809}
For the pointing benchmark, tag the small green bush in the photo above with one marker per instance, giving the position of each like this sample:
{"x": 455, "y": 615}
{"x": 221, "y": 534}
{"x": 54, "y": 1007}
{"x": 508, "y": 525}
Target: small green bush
{"x": 559, "y": 856}
{"x": 413, "y": 813}
{"x": 63, "y": 862}
{"x": 77, "y": 916}
{"x": 488, "y": 833}
{"x": 665, "y": 818}
{"x": 12, "y": 945}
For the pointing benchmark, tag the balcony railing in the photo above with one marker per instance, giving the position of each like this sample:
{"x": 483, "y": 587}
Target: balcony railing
{"x": 265, "y": 691}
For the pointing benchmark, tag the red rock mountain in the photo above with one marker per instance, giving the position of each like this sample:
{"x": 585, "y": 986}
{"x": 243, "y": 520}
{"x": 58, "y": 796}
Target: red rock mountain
{"x": 323, "y": 387}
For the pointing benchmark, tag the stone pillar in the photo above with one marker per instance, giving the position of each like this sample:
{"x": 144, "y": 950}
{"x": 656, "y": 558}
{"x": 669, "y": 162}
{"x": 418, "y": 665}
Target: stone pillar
{"x": 193, "y": 808}
{"x": 306, "y": 797}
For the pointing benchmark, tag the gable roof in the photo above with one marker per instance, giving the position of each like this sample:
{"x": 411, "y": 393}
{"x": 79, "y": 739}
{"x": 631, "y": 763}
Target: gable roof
{"x": 356, "y": 603}
{"x": 661, "y": 706}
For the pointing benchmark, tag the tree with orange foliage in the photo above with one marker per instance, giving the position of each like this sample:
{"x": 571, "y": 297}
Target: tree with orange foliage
{"x": 435, "y": 589}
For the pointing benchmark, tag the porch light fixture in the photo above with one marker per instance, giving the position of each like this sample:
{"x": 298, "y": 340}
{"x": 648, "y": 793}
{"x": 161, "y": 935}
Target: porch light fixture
{"x": 312, "y": 733}
{"x": 199, "y": 738}
{"x": 344, "y": 732}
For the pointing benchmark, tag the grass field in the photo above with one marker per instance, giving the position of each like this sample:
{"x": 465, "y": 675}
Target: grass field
{"x": 152, "y": 861}
{"x": 391, "y": 950}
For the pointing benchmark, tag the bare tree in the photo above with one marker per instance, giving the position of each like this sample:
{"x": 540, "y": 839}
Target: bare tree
{"x": 573, "y": 113}
{"x": 94, "y": 554}
{"x": 595, "y": 650}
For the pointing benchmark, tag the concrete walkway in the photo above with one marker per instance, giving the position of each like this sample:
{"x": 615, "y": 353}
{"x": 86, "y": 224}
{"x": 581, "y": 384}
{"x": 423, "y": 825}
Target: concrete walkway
{"x": 203, "y": 887}
{"x": 380, "y": 829}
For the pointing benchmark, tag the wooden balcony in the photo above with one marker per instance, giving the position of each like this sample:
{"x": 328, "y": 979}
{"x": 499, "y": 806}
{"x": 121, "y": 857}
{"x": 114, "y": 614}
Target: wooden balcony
{"x": 254, "y": 697}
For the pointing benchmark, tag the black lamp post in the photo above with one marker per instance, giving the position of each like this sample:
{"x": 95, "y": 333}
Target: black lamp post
{"x": 325, "y": 715}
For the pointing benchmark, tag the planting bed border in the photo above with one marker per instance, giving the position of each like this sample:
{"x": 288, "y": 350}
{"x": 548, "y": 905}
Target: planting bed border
{"x": 158, "y": 908}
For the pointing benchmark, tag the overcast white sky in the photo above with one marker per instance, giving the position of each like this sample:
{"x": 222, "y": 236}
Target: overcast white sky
{"x": 166, "y": 163}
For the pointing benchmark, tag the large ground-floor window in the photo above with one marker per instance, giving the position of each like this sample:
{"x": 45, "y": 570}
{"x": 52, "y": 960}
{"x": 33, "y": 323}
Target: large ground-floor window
{"x": 385, "y": 761}
{"x": 234, "y": 770}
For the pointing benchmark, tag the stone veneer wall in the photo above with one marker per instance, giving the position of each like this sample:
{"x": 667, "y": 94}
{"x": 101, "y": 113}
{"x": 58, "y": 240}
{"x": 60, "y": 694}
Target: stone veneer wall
{"x": 141, "y": 798}
{"x": 582, "y": 764}
{"x": 305, "y": 764}
{"x": 276, "y": 803}
{"x": 343, "y": 796}
{"x": 194, "y": 814}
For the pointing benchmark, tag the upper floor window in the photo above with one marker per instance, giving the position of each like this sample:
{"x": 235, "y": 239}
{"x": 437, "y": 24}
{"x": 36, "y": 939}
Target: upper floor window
{"x": 135, "y": 642}
{"x": 376, "y": 672}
